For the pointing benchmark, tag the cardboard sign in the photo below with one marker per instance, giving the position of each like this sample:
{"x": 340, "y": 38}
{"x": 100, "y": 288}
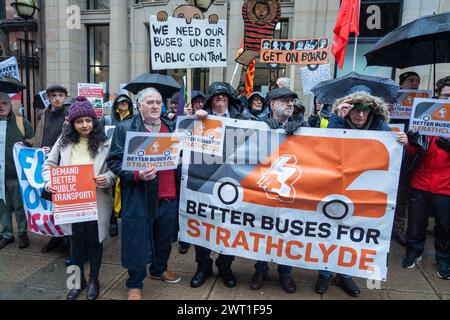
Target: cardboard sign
{"x": 94, "y": 93}
{"x": 295, "y": 51}
{"x": 403, "y": 109}
{"x": 311, "y": 76}
{"x": 76, "y": 198}
{"x": 109, "y": 131}
{"x": 175, "y": 44}
{"x": 39, "y": 212}
{"x": 205, "y": 136}
{"x": 151, "y": 150}
{"x": 431, "y": 117}
{"x": 319, "y": 199}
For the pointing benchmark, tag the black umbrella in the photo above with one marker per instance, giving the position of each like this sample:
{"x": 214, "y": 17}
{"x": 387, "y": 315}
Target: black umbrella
{"x": 420, "y": 42}
{"x": 330, "y": 90}
{"x": 166, "y": 85}
{"x": 10, "y": 85}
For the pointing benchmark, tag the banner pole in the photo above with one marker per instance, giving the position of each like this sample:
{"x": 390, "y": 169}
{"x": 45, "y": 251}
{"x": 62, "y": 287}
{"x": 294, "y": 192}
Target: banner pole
{"x": 354, "y": 53}
{"x": 188, "y": 85}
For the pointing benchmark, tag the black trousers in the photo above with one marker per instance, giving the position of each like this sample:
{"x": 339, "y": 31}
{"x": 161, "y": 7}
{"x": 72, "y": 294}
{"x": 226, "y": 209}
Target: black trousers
{"x": 202, "y": 257}
{"x": 420, "y": 204}
{"x": 84, "y": 246}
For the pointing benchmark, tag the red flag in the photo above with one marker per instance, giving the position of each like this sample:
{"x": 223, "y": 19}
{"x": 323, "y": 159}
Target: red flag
{"x": 347, "y": 21}
{"x": 249, "y": 77}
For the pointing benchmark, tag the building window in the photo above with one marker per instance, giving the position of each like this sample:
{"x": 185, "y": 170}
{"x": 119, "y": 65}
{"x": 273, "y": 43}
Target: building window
{"x": 97, "y": 4}
{"x": 377, "y": 18}
{"x": 98, "y": 54}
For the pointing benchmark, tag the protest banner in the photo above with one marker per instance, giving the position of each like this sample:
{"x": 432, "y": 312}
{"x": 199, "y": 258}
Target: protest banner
{"x": 10, "y": 68}
{"x": 320, "y": 199}
{"x": 151, "y": 150}
{"x": 403, "y": 109}
{"x": 295, "y": 51}
{"x": 204, "y": 136}
{"x": 431, "y": 117}
{"x": 75, "y": 199}
{"x": 94, "y": 93}
{"x": 3, "y": 125}
{"x": 397, "y": 127}
{"x": 39, "y": 212}
{"x": 175, "y": 44}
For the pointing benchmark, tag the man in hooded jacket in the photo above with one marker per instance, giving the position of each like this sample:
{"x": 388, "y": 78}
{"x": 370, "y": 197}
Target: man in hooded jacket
{"x": 221, "y": 102}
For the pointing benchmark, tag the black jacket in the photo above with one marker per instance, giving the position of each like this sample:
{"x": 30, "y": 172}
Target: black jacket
{"x": 139, "y": 200}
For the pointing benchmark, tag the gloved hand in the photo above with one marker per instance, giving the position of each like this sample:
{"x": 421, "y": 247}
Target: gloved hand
{"x": 273, "y": 124}
{"x": 443, "y": 143}
{"x": 414, "y": 138}
{"x": 292, "y": 126}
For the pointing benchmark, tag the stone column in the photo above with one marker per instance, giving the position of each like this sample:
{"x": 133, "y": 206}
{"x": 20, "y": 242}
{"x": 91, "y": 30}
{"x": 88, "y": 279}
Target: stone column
{"x": 118, "y": 45}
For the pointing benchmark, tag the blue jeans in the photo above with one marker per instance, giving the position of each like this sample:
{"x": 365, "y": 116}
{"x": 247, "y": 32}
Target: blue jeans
{"x": 136, "y": 278}
{"x": 420, "y": 203}
{"x": 263, "y": 267}
{"x": 327, "y": 273}
{"x": 164, "y": 230}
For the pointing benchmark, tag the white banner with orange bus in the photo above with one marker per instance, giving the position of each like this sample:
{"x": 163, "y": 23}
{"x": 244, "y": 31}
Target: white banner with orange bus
{"x": 320, "y": 199}
{"x": 431, "y": 117}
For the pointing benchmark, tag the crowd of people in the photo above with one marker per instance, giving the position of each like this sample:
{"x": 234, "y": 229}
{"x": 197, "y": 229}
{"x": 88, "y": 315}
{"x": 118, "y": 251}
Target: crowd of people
{"x": 147, "y": 201}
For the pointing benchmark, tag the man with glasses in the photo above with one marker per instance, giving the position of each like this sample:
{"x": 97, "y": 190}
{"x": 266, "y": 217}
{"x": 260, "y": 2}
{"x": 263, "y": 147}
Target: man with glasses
{"x": 150, "y": 201}
{"x": 282, "y": 106}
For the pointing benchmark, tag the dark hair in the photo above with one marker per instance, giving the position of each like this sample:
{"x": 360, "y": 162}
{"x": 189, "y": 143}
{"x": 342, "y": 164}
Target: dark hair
{"x": 444, "y": 82}
{"x": 402, "y": 78}
{"x": 96, "y": 138}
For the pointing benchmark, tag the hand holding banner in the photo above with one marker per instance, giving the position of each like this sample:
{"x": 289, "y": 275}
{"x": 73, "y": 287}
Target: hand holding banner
{"x": 75, "y": 199}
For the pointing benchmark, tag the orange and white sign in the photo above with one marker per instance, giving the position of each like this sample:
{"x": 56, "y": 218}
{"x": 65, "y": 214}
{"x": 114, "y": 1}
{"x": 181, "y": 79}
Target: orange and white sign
{"x": 295, "y": 51}
{"x": 76, "y": 198}
{"x": 204, "y": 136}
{"x": 431, "y": 117}
{"x": 151, "y": 150}
{"x": 320, "y": 199}
{"x": 406, "y": 102}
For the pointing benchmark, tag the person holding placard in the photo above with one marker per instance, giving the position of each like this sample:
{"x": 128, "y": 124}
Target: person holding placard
{"x": 83, "y": 142}
{"x": 430, "y": 185}
{"x": 282, "y": 106}
{"x": 149, "y": 199}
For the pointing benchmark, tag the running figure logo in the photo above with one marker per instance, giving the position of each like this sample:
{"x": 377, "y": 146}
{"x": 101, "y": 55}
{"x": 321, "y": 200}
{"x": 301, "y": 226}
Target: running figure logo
{"x": 278, "y": 181}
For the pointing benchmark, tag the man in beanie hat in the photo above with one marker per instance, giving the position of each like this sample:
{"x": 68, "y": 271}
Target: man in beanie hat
{"x": 17, "y": 129}
{"x": 48, "y": 130}
{"x": 221, "y": 102}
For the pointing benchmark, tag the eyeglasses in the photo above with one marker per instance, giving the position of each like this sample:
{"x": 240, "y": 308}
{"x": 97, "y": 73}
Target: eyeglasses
{"x": 152, "y": 102}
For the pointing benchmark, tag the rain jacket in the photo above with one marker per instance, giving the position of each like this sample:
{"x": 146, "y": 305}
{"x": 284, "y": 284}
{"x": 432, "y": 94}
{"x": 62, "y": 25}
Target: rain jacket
{"x": 432, "y": 170}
